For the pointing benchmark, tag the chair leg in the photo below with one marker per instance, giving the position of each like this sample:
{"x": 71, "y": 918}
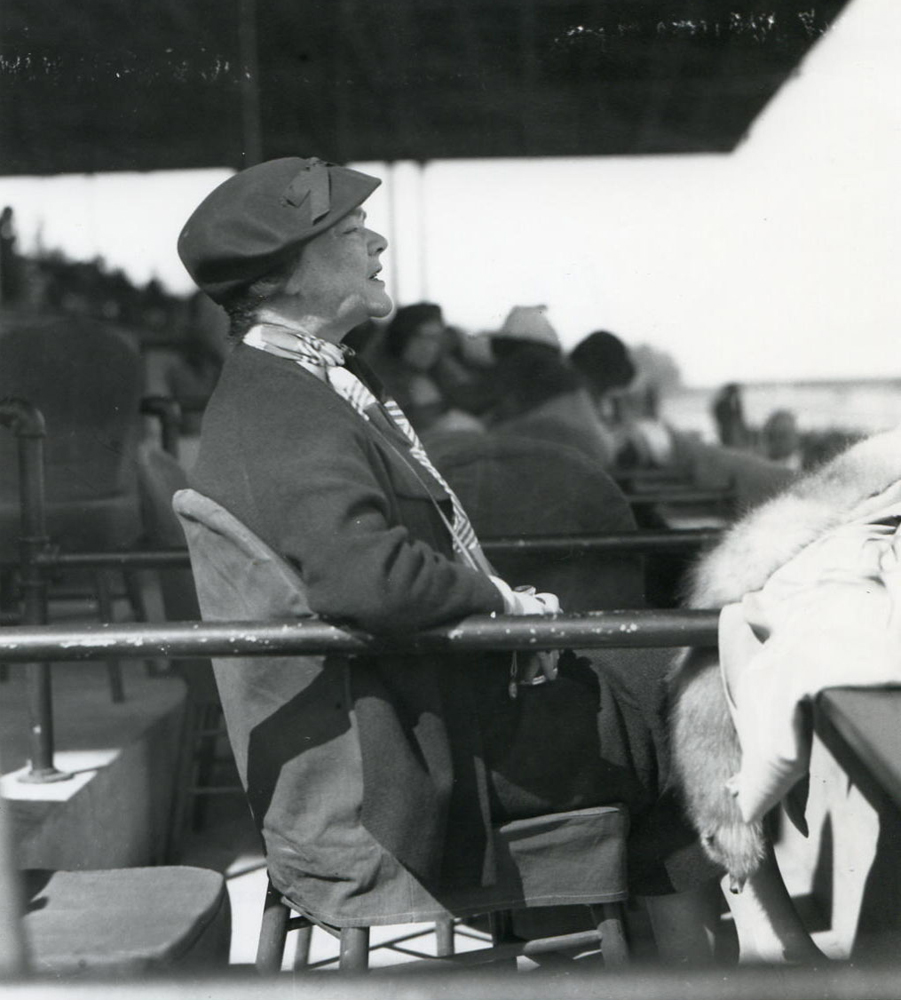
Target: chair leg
{"x": 610, "y": 921}
{"x": 182, "y": 797}
{"x": 500, "y": 923}
{"x": 105, "y": 607}
{"x": 354, "y": 955}
{"x": 273, "y": 932}
{"x": 444, "y": 937}
{"x": 204, "y": 754}
{"x": 302, "y": 947}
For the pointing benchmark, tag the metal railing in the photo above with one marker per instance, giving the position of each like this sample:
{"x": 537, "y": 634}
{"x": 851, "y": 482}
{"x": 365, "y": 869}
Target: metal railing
{"x": 628, "y": 542}
{"x": 27, "y": 423}
{"x": 597, "y": 629}
{"x": 37, "y": 644}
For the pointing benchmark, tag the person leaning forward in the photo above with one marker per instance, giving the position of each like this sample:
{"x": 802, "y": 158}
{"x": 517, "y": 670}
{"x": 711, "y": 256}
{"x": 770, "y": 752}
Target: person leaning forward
{"x": 301, "y": 444}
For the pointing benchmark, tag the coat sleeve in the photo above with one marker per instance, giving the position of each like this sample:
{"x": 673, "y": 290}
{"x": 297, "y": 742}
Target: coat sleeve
{"x": 320, "y": 496}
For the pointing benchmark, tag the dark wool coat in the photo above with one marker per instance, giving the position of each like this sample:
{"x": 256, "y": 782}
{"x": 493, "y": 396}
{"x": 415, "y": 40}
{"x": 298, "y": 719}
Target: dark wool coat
{"x": 427, "y": 750}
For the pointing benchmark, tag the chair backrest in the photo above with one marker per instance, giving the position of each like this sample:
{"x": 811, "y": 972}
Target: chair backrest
{"x": 160, "y": 477}
{"x": 86, "y": 379}
{"x": 522, "y": 487}
{"x": 284, "y": 737}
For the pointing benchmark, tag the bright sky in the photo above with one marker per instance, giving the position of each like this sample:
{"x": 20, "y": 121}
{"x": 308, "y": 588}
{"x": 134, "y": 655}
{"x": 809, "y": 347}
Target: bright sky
{"x": 776, "y": 262}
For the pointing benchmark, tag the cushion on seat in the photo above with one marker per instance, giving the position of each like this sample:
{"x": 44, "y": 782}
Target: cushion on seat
{"x": 563, "y": 858}
{"x": 128, "y": 920}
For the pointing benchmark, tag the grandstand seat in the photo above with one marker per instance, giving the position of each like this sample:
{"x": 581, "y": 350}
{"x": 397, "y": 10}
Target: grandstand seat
{"x": 85, "y": 377}
{"x": 521, "y": 487}
{"x": 127, "y": 921}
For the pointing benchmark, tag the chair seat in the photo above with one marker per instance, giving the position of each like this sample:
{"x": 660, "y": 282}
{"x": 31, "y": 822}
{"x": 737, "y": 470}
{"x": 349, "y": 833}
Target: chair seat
{"x": 126, "y": 921}
{"x": 565, "y": 858}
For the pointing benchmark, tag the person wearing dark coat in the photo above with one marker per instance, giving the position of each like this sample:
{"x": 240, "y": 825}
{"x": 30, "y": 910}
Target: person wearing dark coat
{"x": 301, "y": 443}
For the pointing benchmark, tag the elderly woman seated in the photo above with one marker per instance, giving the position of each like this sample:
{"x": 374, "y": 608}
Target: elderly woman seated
{"x": 303, "y": 446}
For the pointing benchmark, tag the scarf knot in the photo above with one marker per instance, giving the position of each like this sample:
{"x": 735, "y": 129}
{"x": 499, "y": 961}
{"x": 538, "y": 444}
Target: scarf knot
{"x": 297, "y": 345}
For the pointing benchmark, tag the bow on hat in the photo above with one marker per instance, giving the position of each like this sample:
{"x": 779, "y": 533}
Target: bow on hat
{"x": 311, "y": 183}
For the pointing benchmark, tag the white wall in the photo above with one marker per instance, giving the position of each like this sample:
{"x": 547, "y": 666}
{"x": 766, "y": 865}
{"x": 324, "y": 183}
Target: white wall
{"x": 776, "y": 261}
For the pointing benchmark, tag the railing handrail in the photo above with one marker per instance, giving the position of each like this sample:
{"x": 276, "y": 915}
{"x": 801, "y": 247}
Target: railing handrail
{"x": 635, "y": 542}
{"x": 609, "y": 629}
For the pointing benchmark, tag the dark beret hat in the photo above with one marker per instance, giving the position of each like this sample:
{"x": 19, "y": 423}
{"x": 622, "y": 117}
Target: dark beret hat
{"x": 244, "y": 227}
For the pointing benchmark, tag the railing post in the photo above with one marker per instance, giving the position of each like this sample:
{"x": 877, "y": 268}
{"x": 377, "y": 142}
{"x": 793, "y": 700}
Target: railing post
{"x": 13, "y": 946}
{"x": 27, "y": 423}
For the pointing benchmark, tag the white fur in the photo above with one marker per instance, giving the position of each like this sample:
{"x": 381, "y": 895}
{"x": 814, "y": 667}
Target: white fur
{"x": 705, "y": 745}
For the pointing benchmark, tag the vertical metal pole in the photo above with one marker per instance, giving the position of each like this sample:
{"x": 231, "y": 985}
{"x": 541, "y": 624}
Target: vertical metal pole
{"x": 250, "y": 82}
{"x": 393, "y": 271}
{"x": 27, "y": 423}
{"x": 422, "y": 249}
{"x": 13, "y": 950}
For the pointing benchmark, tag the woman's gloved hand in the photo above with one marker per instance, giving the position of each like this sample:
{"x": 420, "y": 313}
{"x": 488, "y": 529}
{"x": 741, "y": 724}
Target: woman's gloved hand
{"x": 525, "y": 600}
{"x": 531, "y": 667}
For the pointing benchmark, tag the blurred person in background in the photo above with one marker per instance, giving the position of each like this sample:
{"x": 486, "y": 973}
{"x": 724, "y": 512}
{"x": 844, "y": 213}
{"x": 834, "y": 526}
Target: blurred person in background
{"x": 729, "y": 416}
{"x": 605, "y": 365}
{"x": 625, "y": 401}
{"x": 781, "y": 440}
{"x": 537, "y": 393}
{"x": 421, "y": 362}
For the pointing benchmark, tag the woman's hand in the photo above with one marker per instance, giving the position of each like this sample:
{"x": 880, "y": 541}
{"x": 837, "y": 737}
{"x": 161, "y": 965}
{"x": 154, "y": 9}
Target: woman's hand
{"x": 525, "y": 600}
{"x": 531, "y": 667}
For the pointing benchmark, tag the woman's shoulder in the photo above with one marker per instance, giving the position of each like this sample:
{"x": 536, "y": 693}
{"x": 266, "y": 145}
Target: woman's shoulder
{"x": 260, "y": 384}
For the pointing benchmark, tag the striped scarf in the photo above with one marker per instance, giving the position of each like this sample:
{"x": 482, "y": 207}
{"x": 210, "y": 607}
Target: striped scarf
{"x": 308, "y": 350}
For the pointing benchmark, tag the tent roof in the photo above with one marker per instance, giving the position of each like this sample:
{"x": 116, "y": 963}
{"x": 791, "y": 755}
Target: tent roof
{"x": 127, "y": 85}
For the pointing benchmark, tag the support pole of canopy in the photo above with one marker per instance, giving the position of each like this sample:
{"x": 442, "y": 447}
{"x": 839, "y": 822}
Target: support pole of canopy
{"x": 391, "y": 191}
{"x": 250, "y": 85}
{"x": 422, "y": 251}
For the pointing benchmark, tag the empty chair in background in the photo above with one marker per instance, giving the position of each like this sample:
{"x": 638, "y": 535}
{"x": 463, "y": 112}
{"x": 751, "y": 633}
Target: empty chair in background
{"x": 86, "y": 379}
{"x": 525, "y": 487}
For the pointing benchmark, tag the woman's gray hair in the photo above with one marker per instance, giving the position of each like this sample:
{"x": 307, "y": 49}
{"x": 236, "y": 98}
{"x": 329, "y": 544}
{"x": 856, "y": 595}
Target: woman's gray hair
{"x": 243, "y": 306}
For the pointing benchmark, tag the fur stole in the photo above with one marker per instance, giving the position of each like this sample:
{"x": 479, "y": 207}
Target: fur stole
{"x": 705, "y": 745}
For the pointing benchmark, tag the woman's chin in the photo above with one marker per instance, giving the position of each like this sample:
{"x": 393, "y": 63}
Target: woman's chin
{"x": 380, "y": 304}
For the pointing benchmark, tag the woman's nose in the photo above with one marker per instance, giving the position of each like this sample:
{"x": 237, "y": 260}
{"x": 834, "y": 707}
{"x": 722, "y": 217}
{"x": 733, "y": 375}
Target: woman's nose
{"x": 377, "y": 242}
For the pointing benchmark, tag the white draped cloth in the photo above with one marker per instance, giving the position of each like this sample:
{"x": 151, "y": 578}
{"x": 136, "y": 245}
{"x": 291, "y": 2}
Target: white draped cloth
{"x": 830, "y": 617}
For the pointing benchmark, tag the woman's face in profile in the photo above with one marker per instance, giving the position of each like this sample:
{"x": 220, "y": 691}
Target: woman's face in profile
{"x": 337, "y": 278}
{"x": 425, "y": 345}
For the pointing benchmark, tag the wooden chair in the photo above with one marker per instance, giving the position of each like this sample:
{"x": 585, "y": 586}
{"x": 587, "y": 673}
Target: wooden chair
{"x": 559, "y": 859}
{"x": 126, "y": 921}
{"x": 206, "y": 769}
{"x": 562, "y": 859}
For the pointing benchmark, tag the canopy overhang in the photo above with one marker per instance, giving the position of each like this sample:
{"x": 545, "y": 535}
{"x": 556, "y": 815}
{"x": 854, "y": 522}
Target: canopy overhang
{"x": 126, "y": 85}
